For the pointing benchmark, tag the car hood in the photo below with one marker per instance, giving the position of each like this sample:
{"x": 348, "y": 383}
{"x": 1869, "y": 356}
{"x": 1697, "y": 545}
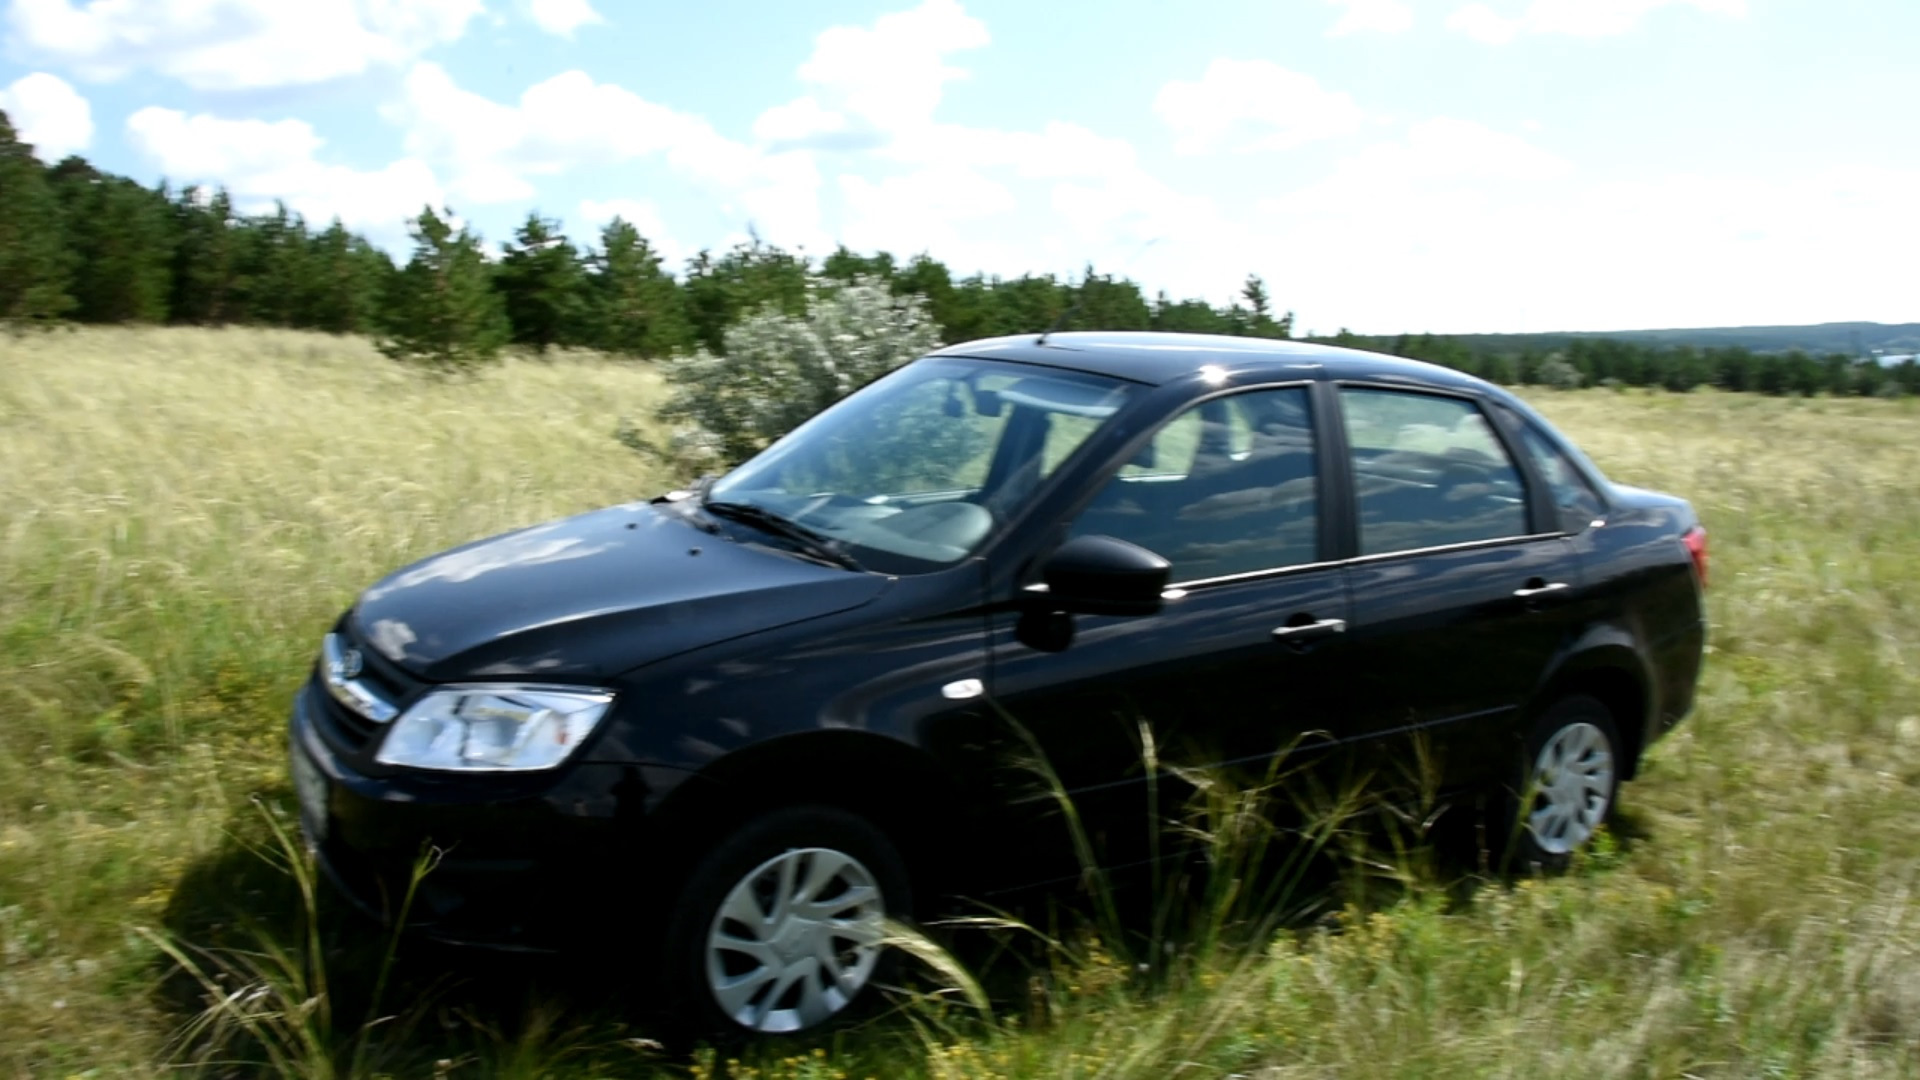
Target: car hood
{"x": 592, "y": 596}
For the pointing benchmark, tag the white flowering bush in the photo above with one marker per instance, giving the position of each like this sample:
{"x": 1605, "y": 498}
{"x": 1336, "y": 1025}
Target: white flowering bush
{"x": 779, "y": 370}
{"x": 1558, "y": 374}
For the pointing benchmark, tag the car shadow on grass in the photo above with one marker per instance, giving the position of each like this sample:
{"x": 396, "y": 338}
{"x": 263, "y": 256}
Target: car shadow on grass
{"x": 254, "y": 972}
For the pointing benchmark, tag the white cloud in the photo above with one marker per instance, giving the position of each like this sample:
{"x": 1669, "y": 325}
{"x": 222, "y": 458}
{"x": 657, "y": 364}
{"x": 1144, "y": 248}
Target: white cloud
{"x": 919, "y": 211}
{"x": 1444, "y": 148}
{"x": 642, "y": 214}
{"x": 1372, "y": 16}
{"x": 260, "y": 161}
{"x": 1128, "y": 212}
{"x": 797, "y": 122}
{"x": 49, "y": 114}
{"x": 782, "y": 202}
{"x": 563, "y": 17}
{"x": 492, "y": 152}
{"x": 202, "y": 146}
{"x": 1455, "y": 228}
{"x": 1057, "y": 151}
{"x": 1483, "y": 24}
{"x": 872, "y": 82}
{"x": 1701, "y": 250}
{"x": 1416, "y": 186}
{"x": 1575, "y": 18}
{"x": 992, "y": 199}
{"x": 1253, "y": 105}
{"x": 234, "y": 44}
{"x": 566, "y": 122}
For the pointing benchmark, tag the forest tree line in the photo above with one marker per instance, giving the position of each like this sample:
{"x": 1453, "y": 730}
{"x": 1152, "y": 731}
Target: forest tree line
{"x": 83, "y": 245}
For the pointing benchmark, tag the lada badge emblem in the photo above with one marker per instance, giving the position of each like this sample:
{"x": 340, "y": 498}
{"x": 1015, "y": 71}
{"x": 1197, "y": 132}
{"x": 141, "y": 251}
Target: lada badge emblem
{"x": 350, "y": 664}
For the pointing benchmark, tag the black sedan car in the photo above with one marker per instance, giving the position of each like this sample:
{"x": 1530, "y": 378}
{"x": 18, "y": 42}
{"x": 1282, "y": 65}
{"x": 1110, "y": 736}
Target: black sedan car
{"x": 747, "y": 721}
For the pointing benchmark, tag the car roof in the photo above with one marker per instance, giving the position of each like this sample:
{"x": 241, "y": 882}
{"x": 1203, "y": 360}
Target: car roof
{"x": 1158, "y": 358}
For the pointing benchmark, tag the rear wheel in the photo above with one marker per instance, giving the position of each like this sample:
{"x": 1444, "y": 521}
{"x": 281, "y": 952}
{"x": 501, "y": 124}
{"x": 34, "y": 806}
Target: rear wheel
{"x": 781, "y": 926}
{"x": 1568, "y": 780}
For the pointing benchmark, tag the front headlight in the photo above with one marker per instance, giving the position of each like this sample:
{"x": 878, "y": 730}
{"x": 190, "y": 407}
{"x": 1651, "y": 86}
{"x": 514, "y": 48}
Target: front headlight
{"x": 497, "y": 727}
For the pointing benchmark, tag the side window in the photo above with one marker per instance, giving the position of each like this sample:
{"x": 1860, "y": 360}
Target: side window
{"x": 1427, "y": 471}
{"x": 1573, "y": 497}
{"x": 1169, "y": 454}
{"x": 1227, "y": 487}
{"x": 1065, "y": 433}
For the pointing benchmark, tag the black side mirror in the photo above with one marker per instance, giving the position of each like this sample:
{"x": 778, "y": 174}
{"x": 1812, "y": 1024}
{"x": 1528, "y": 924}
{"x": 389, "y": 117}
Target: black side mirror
{"x": 1102, "y": 575}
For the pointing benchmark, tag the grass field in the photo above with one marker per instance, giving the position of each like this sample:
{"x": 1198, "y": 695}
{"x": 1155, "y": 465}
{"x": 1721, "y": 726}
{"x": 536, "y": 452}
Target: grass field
{"x": 183, "y": 512}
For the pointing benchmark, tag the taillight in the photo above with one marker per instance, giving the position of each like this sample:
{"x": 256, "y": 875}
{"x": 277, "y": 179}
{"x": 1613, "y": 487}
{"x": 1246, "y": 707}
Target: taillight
{"x": 1696, "y": 541}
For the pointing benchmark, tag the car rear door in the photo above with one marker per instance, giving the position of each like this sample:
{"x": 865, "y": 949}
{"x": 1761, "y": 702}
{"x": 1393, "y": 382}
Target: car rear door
{"x": 1244, "y": 659}
{"x": 1461, "y": 591}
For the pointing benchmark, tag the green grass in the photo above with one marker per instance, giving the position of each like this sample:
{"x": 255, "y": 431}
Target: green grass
{"x": 185, "y": 511}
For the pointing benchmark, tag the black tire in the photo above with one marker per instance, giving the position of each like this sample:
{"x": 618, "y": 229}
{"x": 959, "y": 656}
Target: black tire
{"x": 1575, "y": 720}
{"x": 774, "y": 835}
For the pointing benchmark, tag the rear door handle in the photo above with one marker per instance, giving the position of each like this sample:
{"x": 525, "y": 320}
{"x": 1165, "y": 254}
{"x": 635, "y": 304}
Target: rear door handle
{"x": 1531, "y": 591}
{"x": 1313, "y": 631}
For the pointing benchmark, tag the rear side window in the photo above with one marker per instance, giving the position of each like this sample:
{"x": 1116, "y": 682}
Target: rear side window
{"x": 1428, "y": 471}
{"x": 1227, "y": 487}
{"x": 1574, "y": 500}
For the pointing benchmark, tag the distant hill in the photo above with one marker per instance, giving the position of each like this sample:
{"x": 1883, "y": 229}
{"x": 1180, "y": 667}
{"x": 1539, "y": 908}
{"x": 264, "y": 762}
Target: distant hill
{"x": 1850, "y": 338}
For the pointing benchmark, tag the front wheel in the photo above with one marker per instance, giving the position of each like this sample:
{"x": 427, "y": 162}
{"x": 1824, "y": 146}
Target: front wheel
{"x": 781, "y": 927}
{"x": 1569, "y": 777}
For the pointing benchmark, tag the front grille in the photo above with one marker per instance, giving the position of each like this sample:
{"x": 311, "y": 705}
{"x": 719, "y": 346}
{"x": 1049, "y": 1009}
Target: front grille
{"x": 349, "y": 730}
{"x": 381, "y": 675}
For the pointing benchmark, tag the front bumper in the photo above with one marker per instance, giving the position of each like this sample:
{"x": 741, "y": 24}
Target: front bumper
{"x": 524, "y": 862}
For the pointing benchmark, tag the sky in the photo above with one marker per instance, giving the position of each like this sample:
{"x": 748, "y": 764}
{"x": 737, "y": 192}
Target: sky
{"x": 1385, "y": 165}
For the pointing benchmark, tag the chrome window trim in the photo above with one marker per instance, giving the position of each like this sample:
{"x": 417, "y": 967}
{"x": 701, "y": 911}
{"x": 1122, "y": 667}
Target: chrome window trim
{"x": 1254, "y": 575}
{"x": 1464, "y": 545}
{"x": 351, "y": 692}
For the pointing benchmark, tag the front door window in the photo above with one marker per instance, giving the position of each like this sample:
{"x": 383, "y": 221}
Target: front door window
{"x": 1227, "y": 487}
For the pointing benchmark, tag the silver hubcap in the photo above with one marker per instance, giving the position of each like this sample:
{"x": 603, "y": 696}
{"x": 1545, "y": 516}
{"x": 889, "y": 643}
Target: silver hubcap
{"x": 795, "y": 940}
{"x": 1572, "y": 781}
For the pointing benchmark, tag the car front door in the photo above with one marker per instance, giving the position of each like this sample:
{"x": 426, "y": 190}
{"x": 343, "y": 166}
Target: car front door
{"x": 1243, "y": 660}
{"x": 1460, "y": 597}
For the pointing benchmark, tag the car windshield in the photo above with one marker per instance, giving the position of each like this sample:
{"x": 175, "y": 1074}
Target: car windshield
{"x": 918, "y": 469}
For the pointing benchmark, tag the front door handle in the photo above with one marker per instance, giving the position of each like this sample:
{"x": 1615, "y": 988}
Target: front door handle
{"x": 1530, "y": 590}
{"x": 1312, "y": 631}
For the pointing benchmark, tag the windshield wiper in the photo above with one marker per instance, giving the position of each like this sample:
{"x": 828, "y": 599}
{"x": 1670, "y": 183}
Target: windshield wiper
{"x": 811, "y": 542}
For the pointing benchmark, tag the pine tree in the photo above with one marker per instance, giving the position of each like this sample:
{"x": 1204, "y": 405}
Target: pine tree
{"x": 123, "y": 236}
{"x": 720, "y": 291}
{"x": 442, "y": 311}
{"x": 540, "y": 279}
{"x": 637, "y": 308}
{"x": 1028, "y": 304}
{"x": 929, "y": 279}
{"x": 346, "y": 278}
{"x": 274, "y": 267}
{"x": 1187, "y": 316}
{"x": 1101, "y": 303}
{"x": 205, "y": 263}
{"x": 34, "y": 264}
{"x": 845, "y": 265}
{"x": 1259, "y": 319}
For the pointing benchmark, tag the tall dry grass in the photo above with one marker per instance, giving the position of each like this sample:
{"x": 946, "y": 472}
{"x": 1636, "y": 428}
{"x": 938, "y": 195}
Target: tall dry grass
{"x": 182, "y": 512}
